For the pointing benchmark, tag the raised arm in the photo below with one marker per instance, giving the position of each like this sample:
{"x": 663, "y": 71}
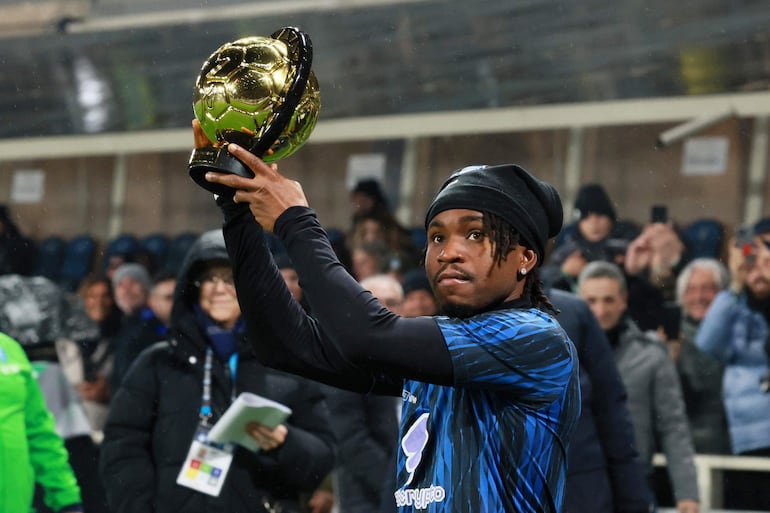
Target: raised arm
{"x": 355, "y": 342}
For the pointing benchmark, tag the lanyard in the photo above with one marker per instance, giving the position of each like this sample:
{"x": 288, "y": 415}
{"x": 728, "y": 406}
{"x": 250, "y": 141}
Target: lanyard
{"x": 205, "y": 412}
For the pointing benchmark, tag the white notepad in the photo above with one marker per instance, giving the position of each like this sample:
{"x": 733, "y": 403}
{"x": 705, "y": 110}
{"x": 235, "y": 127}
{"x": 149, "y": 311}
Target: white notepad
{"x": 247, "y": 408}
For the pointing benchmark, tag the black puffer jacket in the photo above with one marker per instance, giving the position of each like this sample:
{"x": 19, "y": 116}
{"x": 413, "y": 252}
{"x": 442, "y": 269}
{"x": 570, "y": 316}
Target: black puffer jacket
{"x": 154, "y": 416}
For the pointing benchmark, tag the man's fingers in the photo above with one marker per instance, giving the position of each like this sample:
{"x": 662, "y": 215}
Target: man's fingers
{"x": 199, "y": 137}
{"x": 231, "y": 180}
{"x": 256, "y": 164}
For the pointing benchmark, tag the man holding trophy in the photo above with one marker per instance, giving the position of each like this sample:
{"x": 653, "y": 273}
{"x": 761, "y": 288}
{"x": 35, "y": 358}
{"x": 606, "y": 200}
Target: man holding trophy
{"x": 490, "y": 387}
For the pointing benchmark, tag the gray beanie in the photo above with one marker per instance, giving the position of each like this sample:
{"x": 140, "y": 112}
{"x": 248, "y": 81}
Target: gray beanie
{"x": 136, "y": 272}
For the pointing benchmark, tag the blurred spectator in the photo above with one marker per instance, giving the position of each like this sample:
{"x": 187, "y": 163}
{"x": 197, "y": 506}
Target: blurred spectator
{"x": 161, "y": 298}
{"x": 404, "y": 255}
{"x": 370, "y": 258}
{"x": 366, "y": 426}
{"x": 735, "y": 331}
{"x": 17, "y": 252}
{"x": 604, "y": 473}
{"x": 657, "y": 254}
{"x": 139, "y": 326}
{"x": 418, "y": 295}
{"x": 290, "y": 276}
{"x": 88, "y": 363}
{"x": 322, "y": 499}
{"x": 177, "y": 387}
{"x": 597, "y": 236}
{"x": 701, "y": 374}
{"x": 648, "y": 373}
{"x": 30, "y": 449}
{"x": 367, "y": 198}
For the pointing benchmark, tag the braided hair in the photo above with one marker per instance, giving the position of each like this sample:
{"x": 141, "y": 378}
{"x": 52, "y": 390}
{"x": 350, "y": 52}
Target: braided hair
{"x": 505, "y": 238}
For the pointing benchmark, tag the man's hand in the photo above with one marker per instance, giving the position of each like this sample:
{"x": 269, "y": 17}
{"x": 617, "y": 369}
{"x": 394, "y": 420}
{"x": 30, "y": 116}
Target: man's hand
{"x": 268, "y": 193}
{"x": 97, "y": 390}
{"x": 267, "y": 439}
{"x": 322, "y": 501}
{"x": 687, "y": 506}
{"x": 573, "y": 264}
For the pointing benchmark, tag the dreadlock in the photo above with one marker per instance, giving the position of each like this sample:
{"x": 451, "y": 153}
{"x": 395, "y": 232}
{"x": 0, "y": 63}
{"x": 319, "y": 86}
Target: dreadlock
{"x": 504, "y": 239}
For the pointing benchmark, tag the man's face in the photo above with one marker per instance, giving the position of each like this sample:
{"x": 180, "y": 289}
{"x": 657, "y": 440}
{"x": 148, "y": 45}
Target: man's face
{"x": 162, "y": 299}
{"x": 758, "y": 277}
{"x": 595, "y": 227}
{"x": 97, "y": 301}
{"x": 130, "y": 295}
{"x": 418, "y": 303}
{"x": 699, "y": 293}
{"x": 607, "y": 301}
{"x": 217, "y": 296}
{"x": 460, "y": 265}
{"x": 291, "y": 278}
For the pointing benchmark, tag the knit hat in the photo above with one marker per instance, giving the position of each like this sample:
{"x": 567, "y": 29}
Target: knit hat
{"x": 371, "y": 187}
{"x": 762, "y": 226}
{"x": 593, "y": 199}
{"x": 532, "y": 207}
{"x": 136, "y": 272}
{"x": 416, "y": 279}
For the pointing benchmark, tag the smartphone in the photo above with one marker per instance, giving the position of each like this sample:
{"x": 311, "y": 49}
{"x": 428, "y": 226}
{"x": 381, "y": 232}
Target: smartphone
{"x": 671, "y": 320}
{"x": 744, "y": 239}
{"x": 659, "y": 214}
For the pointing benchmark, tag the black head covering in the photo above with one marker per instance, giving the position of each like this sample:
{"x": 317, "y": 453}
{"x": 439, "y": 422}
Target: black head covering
{"x": 371, "y": 188}
{"x": 532, "y": 207}
{"x": 416, "y": 279}
{"x": 593, "y": 199}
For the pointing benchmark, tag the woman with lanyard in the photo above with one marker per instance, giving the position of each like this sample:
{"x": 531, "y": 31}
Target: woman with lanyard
{"x": 156, "y": 457}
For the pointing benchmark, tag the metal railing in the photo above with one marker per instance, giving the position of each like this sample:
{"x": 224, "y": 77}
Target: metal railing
{"x": 710, "y": 469}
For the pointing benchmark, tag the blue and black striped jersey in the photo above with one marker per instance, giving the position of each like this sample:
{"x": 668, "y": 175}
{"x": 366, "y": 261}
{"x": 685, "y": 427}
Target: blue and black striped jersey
{"x": 496, "y": 441}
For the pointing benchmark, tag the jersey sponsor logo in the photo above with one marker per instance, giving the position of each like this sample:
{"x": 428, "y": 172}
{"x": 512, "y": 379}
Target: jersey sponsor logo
{"x": 10, "y": 368}
{"x": 420, "y": 498}
{"x": 407, "y": 396}
{"x": 413, "y": 443}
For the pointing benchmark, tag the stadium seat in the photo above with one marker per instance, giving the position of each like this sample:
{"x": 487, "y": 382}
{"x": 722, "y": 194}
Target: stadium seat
{"x": 156, "y": 245}
{"x": 125, "y": 244}
{"x": 419, "y": 236}
{"x": 704, "y": 238}
{"x": 177, "y": 250}
{"x": 50, "y": 255}
{"x": 78, "y": 261}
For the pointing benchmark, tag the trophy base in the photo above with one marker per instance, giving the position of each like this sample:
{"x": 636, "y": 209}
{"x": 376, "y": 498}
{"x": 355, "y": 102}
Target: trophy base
{"x": 218, "y": 160}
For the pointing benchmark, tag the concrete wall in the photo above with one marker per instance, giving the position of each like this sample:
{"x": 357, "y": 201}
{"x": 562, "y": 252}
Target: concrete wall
{"x": 158, "y": 195}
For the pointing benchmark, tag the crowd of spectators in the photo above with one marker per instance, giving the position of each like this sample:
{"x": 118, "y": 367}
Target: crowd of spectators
{"x": 674, "y": 347}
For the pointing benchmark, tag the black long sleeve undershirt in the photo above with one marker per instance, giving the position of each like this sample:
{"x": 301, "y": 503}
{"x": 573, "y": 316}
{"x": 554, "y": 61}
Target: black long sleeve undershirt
{"x": 351, "y": 341}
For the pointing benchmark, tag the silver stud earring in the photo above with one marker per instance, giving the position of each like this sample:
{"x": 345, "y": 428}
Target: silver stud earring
{"x": 523, "y": 271}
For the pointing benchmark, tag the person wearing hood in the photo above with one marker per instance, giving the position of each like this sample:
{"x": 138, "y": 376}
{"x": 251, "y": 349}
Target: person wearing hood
{"x": 179, "y": 386}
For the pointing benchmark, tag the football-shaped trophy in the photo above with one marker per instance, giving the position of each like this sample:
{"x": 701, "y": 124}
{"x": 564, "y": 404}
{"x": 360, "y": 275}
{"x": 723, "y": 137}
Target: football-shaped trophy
{"x": 260, "y": 93}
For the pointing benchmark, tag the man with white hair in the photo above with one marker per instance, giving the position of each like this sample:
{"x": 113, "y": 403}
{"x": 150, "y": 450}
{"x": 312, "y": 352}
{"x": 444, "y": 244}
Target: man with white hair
{"x": 700, "y": 373}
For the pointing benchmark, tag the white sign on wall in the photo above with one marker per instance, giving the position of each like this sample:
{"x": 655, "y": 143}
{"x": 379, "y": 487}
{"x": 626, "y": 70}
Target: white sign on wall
{"x": 28, "y": 186}
{"x": 705, "y": 156}
{"x": 365, "y": 165}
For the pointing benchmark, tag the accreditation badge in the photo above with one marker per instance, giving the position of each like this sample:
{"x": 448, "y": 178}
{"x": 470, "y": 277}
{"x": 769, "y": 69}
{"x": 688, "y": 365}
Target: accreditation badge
{"x": 207, "y": 464}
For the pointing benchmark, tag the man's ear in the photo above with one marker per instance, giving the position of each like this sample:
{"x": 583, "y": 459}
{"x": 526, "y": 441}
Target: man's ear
{"x": 528, "y": 259}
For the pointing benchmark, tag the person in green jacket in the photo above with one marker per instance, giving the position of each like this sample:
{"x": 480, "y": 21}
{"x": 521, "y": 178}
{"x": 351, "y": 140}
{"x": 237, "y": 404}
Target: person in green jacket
{"x": 30, "y": 449}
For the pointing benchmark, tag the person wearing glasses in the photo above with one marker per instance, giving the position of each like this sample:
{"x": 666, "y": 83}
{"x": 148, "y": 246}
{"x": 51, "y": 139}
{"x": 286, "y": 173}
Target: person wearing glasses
{"x": 156, "y": 455}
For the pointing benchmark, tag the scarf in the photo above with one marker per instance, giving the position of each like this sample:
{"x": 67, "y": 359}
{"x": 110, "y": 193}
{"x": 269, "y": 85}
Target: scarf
{"x": 224, "y": 342}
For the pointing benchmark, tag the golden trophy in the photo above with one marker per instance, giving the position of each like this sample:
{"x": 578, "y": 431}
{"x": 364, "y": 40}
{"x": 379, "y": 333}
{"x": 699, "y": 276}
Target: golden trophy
{"x": 257, "y": 92}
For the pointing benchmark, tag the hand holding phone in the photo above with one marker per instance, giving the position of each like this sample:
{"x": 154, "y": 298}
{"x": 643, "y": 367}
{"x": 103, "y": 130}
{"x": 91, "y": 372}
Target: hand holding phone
{"x": 659, "y": 214}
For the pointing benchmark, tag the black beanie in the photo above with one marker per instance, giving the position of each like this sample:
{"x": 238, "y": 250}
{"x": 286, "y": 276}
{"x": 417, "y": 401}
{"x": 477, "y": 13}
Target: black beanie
{"x": 593, "y": 199}
{"x": 416, "y": 279}
{"x": 532, "y": 207}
